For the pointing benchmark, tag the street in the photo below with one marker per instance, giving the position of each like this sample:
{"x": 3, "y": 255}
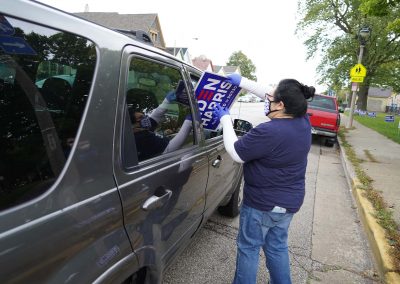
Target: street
{"x": 327, "y": 243}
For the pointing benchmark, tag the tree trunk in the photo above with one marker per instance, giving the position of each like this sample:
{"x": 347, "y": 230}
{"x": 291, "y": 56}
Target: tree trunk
{"x": 363, "y": 97}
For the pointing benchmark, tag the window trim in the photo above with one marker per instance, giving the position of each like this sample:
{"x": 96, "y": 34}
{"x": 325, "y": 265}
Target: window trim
{"x": 124, "y": 88}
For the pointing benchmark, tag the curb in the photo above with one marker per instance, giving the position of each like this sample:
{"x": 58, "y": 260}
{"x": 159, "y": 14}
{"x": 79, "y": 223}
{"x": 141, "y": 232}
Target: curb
{"x": 375, "y": 233}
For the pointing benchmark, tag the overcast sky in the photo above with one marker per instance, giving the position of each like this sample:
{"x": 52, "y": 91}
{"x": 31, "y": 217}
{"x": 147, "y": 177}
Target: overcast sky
{"x": 263, "y": 30}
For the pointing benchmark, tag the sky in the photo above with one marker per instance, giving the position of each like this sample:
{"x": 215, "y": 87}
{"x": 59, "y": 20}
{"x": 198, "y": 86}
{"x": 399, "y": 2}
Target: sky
{"x": 263, "y": 30}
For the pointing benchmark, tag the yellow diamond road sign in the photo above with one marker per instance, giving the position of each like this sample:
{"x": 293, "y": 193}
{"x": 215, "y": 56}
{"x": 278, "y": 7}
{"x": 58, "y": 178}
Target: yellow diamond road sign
{"x": 358, "y": 70}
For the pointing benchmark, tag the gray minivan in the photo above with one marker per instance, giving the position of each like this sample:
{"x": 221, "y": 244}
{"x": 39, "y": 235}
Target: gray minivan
{"x": 104, "y": 176}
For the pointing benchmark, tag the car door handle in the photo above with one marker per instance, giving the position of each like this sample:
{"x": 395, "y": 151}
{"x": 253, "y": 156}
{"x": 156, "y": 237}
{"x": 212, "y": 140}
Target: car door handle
{"x": 217, "y": 162}
{"x": 155, "y": 202}
{"x": 309, "y": 114}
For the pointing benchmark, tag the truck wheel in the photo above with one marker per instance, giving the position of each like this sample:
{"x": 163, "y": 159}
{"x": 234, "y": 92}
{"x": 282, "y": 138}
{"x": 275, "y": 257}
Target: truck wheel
{"x": 232, "y": 209}
{"x": 330, "y": 142}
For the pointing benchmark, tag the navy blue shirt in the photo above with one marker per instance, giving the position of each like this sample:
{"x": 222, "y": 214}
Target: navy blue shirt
{"x": 275, "y": 156}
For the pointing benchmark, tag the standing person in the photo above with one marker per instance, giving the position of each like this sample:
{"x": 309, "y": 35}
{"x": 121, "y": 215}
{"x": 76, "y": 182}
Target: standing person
{"x": 274, "y": 155}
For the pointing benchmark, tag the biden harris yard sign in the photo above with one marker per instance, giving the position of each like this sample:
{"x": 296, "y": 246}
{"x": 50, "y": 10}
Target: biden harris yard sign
{"x": 212, "y": 89}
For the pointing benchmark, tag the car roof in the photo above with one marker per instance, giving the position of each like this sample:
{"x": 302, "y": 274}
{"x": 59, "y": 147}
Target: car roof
{"x": 104, "y": 37}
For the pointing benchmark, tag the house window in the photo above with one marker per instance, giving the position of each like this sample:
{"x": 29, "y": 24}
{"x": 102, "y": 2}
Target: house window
{"x": 154, "y": 36}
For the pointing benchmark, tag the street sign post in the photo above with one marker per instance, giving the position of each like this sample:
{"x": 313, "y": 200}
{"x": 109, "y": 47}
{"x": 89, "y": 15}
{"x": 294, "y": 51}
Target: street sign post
{"x": 354, "y": 86}
{"x": 357, "y": 75}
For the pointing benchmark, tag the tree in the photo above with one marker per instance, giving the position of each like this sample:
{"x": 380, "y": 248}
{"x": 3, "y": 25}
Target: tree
{"x": 247, "y": 67}
{"x": 331, "y": 28}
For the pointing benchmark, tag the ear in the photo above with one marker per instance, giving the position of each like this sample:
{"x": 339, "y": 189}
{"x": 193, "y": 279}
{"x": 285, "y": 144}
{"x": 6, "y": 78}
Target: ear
{"x": 280, "y": 105}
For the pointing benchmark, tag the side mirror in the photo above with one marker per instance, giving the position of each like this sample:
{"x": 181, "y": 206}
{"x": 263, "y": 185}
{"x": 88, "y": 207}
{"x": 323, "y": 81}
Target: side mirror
{"x": 242, "y": 126}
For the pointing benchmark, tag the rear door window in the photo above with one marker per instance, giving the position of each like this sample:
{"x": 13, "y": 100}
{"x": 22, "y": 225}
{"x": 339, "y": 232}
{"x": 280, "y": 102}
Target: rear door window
{"x": 45, "y": 78}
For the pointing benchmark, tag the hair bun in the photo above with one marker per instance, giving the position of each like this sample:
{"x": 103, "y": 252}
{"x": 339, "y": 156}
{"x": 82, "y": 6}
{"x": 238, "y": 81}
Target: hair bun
{"x": 308, "y": 91}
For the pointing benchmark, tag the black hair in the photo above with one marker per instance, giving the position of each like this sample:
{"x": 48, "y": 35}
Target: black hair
{"x": 294, "y": 95}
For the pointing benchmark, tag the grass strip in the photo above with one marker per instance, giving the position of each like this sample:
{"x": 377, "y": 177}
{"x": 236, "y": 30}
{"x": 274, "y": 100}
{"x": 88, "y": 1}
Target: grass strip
{"x": 383, "y": 214}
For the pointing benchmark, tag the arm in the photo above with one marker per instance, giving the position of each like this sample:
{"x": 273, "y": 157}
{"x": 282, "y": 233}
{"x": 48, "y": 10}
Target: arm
{"x": 180, "y": 137}
{"x": 253, "y": 87}
{"x": 160, "y": 111}
{"x": 158, "y": 114}
{"x": 229, "y": 135}
{"x": 230, "y": 138}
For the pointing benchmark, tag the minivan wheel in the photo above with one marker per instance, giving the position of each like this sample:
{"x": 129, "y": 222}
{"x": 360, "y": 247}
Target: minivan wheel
{"x": 232, "y": 209}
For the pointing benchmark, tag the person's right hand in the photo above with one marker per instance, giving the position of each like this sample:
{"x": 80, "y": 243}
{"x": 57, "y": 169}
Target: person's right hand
{"x": 219, "y": 112}
{"x": 234, "y": 79}
{"x": 171, "y": 96}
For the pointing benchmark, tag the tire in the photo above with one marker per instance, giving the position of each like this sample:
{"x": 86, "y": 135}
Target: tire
{"x": 232, "y": 209}
{"x": 330, "y": 142}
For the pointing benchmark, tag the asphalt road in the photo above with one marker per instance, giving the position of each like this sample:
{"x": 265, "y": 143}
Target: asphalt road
{"x": 327, "y": 243}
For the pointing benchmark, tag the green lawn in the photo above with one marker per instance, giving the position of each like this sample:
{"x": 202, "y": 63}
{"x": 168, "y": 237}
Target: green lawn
{"x": 388, "y": 129}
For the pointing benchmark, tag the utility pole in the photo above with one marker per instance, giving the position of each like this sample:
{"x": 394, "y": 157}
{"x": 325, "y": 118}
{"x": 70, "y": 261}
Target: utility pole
{"x": 363, "y": 35}
{"x": 354, "y": 95}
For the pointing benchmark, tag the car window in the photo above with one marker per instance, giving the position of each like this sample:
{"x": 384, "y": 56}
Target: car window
{"x": 322, "y": 102}
{"x": 44, "y": 84}
{"x": 159, "y": 110}
{"x": 208, "y": 134}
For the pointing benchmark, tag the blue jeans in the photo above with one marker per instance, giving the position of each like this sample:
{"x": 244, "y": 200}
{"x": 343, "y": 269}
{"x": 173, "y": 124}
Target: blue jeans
{"x": 269, "y": 231}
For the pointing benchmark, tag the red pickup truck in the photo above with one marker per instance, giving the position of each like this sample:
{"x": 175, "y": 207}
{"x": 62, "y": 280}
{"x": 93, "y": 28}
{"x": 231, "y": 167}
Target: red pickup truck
{"x": 324, "y": 118}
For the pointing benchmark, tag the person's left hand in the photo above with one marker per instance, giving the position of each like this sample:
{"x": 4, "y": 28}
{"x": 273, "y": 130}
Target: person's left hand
{"x": 171, "y": 96}
{"x": 220, "y": 111}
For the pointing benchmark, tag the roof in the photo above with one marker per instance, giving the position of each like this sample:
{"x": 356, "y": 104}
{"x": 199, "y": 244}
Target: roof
{"x": 376, "y": 92}
{"x": 230, "y": 69}
{"x": 171, "y": 50}
{"x": 202, "y": 63}
{"x": 217, "y": 68}
{"x": 120, "y": 21}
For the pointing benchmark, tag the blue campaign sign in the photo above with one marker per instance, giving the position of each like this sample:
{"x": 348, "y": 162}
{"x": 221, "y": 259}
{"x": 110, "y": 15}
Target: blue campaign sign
{"x": 5, "y": 27}
{"x": 389, "y": 118}
{"x": 210, "y": 91}
{"x": 16, "y": 45}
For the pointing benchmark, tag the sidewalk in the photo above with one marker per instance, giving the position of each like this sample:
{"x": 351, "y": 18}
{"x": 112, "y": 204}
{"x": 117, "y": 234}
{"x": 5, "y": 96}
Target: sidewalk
{"x": 381, "y": 162}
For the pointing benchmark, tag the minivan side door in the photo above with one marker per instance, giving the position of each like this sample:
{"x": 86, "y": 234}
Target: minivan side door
{"x": 162, "y": 186}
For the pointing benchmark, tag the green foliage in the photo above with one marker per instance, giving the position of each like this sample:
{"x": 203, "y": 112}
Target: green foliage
{"x": 330, "y": 29}
{"x": 388, "y": 129}
{"x": 247, "y": 68}
{"x": 374, "y": 7}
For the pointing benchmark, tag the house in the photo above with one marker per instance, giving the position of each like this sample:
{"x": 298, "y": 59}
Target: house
{"x": 203, "y": 63}
{"x": 180, "y": 52}
{"x": 148, "y": 23}
{"x": 377, "y": 99}
{"x": 226, "y": 70}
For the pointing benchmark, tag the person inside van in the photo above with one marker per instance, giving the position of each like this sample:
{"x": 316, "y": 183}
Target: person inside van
{"x": 148, "y": 143}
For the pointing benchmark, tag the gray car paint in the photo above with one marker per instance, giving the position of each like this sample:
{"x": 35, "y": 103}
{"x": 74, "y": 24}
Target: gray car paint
{"x": 89, "y": 226}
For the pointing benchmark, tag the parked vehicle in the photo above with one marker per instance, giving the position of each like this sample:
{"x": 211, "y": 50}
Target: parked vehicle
{"x": 249, "y": 98}
{"x": 80, "y": 202}
{"x": 244, "y": 99}
{"x": 325, "y": 118}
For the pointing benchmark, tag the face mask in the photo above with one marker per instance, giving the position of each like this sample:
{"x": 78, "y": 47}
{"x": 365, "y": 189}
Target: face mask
{"x": 267, "y": 107}
{"x": 145, "y": 122}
